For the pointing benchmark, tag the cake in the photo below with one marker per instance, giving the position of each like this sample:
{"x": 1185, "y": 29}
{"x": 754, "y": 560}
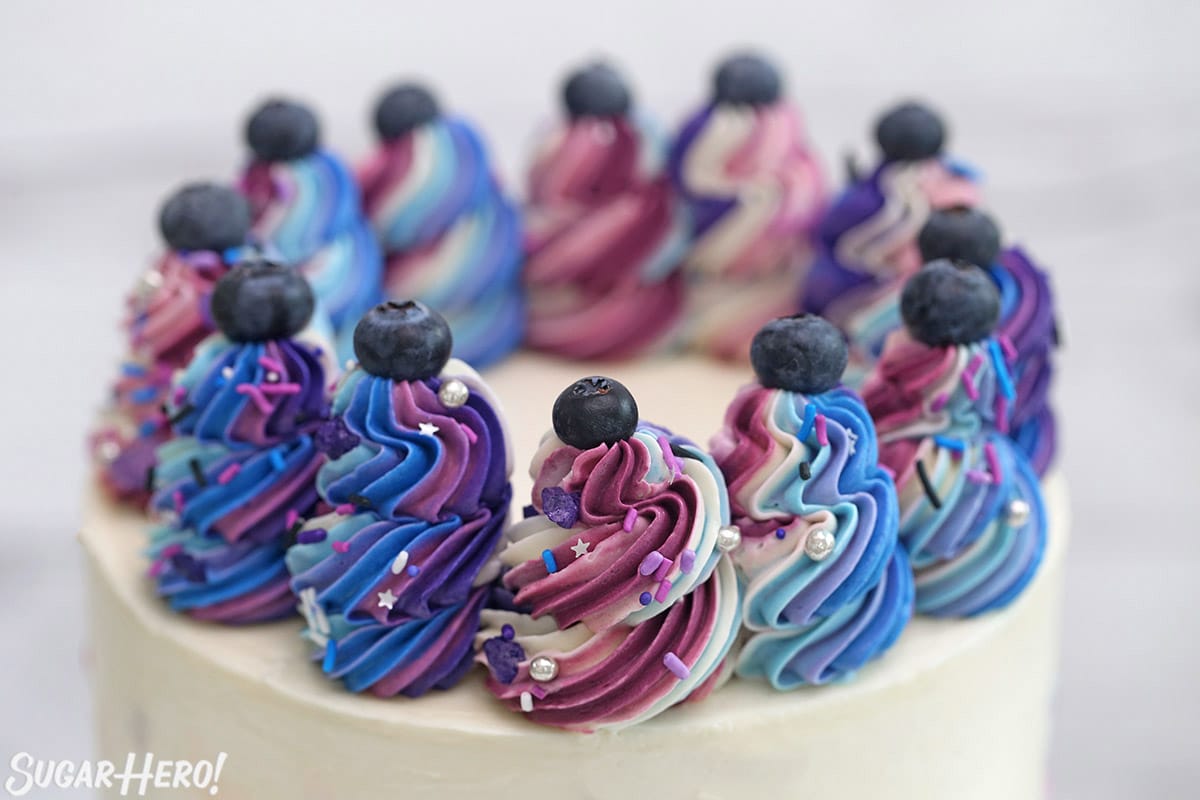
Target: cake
{"x": 729, "y": 576}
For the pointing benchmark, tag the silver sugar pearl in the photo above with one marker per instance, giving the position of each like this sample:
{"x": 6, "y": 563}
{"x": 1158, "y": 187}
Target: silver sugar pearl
{"x": 108, "y": 451}
{"x": 728, "y": 538}
{"x": 1018, "y": 512}
{"x": 152, "y": 279}
{"x": 453, "y": 393}
{"x": 543, "y": 668}
{"x": 819, "y": 544}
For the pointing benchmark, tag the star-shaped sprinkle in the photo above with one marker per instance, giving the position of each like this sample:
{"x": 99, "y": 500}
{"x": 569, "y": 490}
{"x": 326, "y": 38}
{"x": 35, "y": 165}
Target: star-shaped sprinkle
{"x": 387, "y": 599}
{"x": 580, "y": 548}
{"x": 428, "y": 428}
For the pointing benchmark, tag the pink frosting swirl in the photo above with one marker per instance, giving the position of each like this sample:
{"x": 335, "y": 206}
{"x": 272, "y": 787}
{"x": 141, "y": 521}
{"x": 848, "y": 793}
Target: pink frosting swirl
{"x": 171, "y": 317}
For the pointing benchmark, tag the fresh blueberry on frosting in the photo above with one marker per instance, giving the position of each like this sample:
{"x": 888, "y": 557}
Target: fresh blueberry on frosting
{"x": 960, "y": 234}
{"x": 205, "y": 216}
{"x": 594, "y": 411}
{"x": 910, "y": 132}
{"x": 950, "y": 303}
{"x": 259, "y": 301}
{"x": 802, "y": 353}
{"x": 747, "y": 79}
{"x": 596, "y": 90}
{"x": 404, "y": 341}
{"x": 282, "y": 130}
{"x": 402, "y": 109}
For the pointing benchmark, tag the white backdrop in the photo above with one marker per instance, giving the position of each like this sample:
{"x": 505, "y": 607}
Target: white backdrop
{"x": 1083, "y": 116}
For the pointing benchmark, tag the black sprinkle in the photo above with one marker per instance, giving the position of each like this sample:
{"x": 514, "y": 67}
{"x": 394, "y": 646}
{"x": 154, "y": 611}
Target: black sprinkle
{"x": 805, "y": 470}
{"x": 682, "y": 452}
{"x": 149, "y": 479}
{"x": 851, "y": 165}
{"x": 360, "y": 501}
{"x": 183, "y": 411}
{"x": 934, "y": 500}
{"x": 198, "y": 473}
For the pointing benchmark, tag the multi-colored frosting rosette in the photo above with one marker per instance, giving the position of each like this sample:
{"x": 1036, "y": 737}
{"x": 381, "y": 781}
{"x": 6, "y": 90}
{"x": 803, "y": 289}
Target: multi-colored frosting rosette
{"x": 451, "y": 236}
{"x": 621, "y": 604}
{"x": 205, "y": 227}
{"x": 240, "y": 474}
{"x": 745, "y": 170}
{"x": 604, "y": 236}
{"x": 971, "y": 510}
{"x": 307, "y": 213}
{"x": 1028, "y": 326}
{"x": 867, "y": 239}
{"x": 392, "y": 581}
{"x": 826, "y": 587}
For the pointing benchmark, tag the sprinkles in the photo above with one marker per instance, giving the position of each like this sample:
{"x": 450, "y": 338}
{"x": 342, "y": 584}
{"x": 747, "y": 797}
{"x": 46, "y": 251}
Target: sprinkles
{"x": 229, "y": 473}
{"x": 927, "y": 485}
{"x": 198, "y": 473}
{"x": 673, "y": 663}
{"x": 650, "y": 562}
{"x": 805, "y": 470}
{"x": 548, "y": 560}
{"x": 630, "y": 518}
{"x": 822, "y": 433}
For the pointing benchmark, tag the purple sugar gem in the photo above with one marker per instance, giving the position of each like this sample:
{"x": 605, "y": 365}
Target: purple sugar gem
{"x": 189, "y": 567}
{"x": 334, "y": 439}
{"x": 560, "y": 506}
{"x": 503, "y": 656}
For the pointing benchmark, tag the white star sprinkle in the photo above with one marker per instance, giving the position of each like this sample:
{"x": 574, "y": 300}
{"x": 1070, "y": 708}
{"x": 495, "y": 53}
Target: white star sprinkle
{"x": 428, "y": 428}
{"x": 581, "y": 548}
{"x": 387, "y": 599}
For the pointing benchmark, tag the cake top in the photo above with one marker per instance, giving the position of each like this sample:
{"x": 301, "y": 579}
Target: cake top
{"x": 910, "y": 131}
{"x": 204, "y": 216}
{"x": 404, "y": 108}
{"x": 950, "y": 303}
{"x": 596, "y": 90}
{"x": 282, "y": 130}
{"x": 747, "y": 79}
{"x": 260, "y": 300}
{"x": 403, "y": 341}
{"x": 802, "y": 353}
{"x": 594, "y": 411}
{"x": 960, "y": 234}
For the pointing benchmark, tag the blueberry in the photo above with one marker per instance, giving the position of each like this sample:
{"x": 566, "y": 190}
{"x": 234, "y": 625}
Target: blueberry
{"x": 596, "y": 90}
{"x": 950, "y": 303}
{"x": 404, "y": 341}
{"x": 260, "y": 300}
{"x": 910, "y": 132}
{"x": 205, "y": 216}
{"x": 404, "y": 108}
{"x": 747, "y": 79}
{"x": 960, "y": 234}
{"x": 595, "y": 411}
{"x": 803, "y": 353}
{"x": 281, "y": 130}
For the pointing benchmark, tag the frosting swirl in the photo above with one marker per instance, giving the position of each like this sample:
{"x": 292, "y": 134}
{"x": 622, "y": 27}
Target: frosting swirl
{"x": 971, "y": 512}
{"x": 604, "y": 242}
{"x": 755, "y": 193}
{"x": 452, "y": 238}
{"x": 801, "y": 466}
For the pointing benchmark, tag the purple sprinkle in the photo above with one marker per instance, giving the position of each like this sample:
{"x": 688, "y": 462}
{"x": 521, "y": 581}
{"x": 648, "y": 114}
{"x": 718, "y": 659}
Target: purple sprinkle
{"x": 507, "y": 631}
{"x": 645, "y": 598}
{"x": 677, "y": 667}
{"x": 560, "y": 506}
{"x": 630, "y": 518}
{"x": 686, "y": 561}
{"x": 650, "y": 562}
{"x": 503, "y": 657}
{"x": 669, "y": 456}
{"x": 780, "y": 533}
{"x": 1010, "y": 352}
{"x": 312, "y": 536}
{"x": 413, "y": 570}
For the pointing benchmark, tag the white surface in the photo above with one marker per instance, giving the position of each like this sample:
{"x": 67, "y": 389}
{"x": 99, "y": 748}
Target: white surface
{"x": 941, "y": 717}
{"x": 1084, "y": 115}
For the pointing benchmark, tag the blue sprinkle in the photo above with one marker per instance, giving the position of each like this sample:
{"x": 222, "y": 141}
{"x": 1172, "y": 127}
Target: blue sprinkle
{"x": 147, "y": 428}
{"x": 330, "y": 656}
{"x": 810, "y": 415}
{"x": 548, "y": 559}
{"x": 277, "y": 460}
{"x": 950, "y": 443}
{"x": 413, "y": 570}
{"x": 144, "y": 394}
{"x": 132, "y": 370}
{"x": 1002, "y": 376}
{"x": 645, "y": 598}
{"x": 780, "y": 533}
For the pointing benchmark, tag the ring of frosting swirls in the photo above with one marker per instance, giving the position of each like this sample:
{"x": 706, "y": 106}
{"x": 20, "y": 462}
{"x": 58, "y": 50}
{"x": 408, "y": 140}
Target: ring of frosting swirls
{"x": 619, "y": 676}
{"x": 414, "y": 456}
{"x": 307, "y": 212}
{"x": 642, "y": 525}
{"x": 770, "y": 437}
{"x": 604, "y": 242}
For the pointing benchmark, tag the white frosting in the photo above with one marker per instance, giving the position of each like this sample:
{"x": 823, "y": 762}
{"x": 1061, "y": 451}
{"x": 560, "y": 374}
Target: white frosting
{"x": 958, "y": 708}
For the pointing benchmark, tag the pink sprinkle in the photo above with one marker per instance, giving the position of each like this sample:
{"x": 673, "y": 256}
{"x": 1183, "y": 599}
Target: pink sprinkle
{"x": 470, "y": 434}
{"x": 989, "y": 450}
{"x": 1010, "y": 351}
{"x": 630, "y": 519}
{"x": 973, "y": 365}
{"x": 969, "y": 385}
{"x": 229, "y": 473}
{"x": 822, "y": 434}
{"x": 669, "y": 457}
{"x": 345, "y": 509}
{"x": 290, "y": 518}
{"x": 664, "y": 589}
{"x": 650, "y": 562}
{"x": 177, "y": 497}
{"x": 1002, "y": 413}
{"x": 340, "y": 547}
{"x": 156, "y": 568}
{"x": 172, "y": 550}
{"x": 677, "y": 667}
{"x": 280, "y": 388}
{"x": 978, "y": 476}
{"x": 180, "y": 394}
{"x": 663, "y": 570}
{"x": 255, "y": 394}
{"x": 269, "y": 363}
{"x": 686, "y": 561}
{"x": 538, "y": 692}
{"x": 939, "y": 402}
